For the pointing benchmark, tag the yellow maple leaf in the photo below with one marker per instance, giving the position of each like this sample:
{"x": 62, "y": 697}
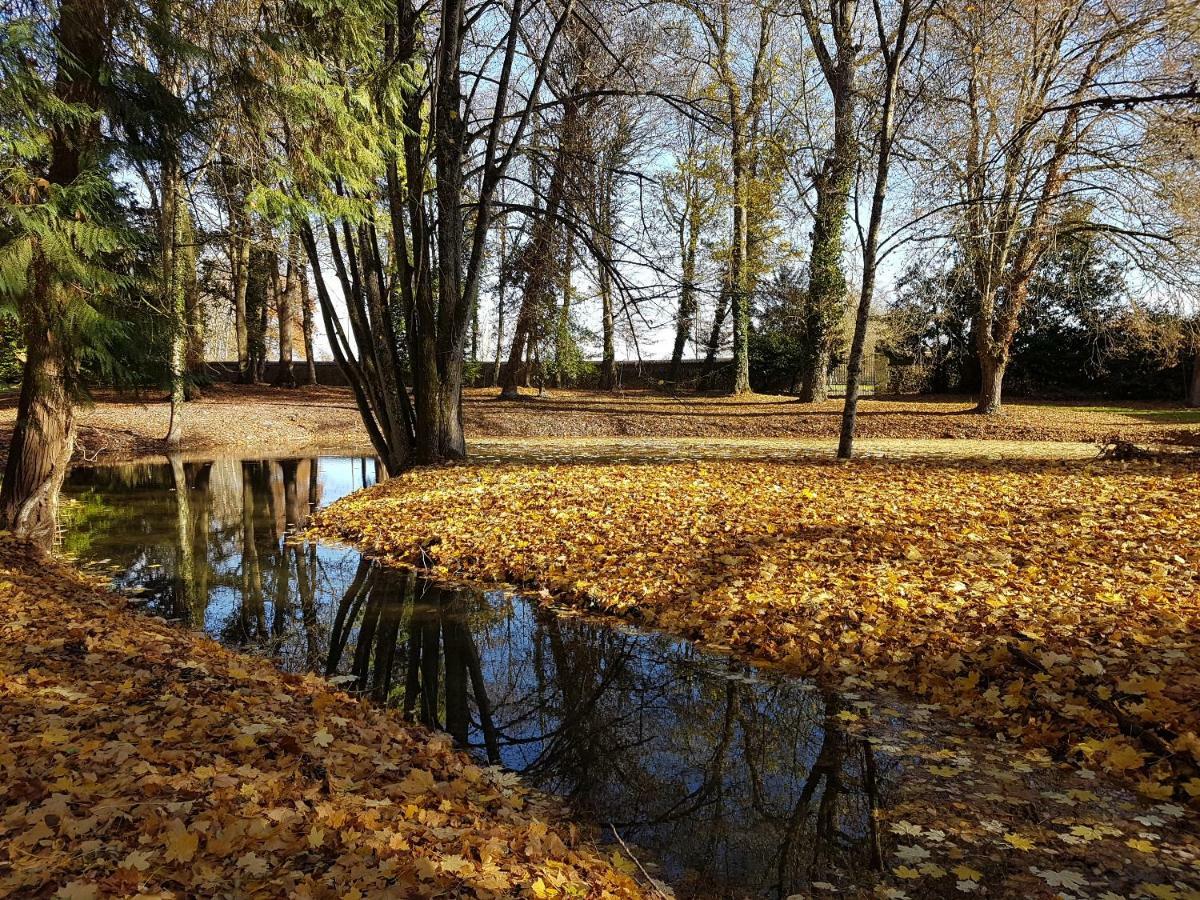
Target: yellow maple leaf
{"x": 1020, "y": 842}
{"x": 181, "y": 843}
{"x": 77, "y": 890}
{"x": 137, "y": 859}
{"x": 1155, "y": 789}
{"x": 966, "y": 873}
{"x": 1123, "y": 757}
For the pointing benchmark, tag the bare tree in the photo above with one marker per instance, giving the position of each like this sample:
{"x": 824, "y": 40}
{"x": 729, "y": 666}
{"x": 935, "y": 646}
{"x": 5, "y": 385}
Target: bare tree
{"x": 895, "y": 44}
{"x": 1042, "y": 125}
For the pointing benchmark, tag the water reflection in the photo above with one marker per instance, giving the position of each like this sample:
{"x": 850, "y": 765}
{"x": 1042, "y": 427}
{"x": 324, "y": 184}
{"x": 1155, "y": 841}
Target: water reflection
{"x": 736, "y": 783}
{"x": 207, "y": 543}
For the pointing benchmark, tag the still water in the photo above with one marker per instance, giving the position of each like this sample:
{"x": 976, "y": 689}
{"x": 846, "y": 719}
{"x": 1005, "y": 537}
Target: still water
{"x": 726, "y": 780}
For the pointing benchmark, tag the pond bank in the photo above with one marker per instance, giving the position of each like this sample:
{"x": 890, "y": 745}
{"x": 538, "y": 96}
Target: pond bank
{"x": 138, "y": 757}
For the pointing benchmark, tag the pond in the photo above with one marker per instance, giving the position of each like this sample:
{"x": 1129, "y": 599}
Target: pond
{"x": 723, "y": 779}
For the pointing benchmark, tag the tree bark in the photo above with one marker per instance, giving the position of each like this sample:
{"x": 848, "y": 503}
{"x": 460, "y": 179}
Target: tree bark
{"x": 501, "y": 297}
{"x": 685, "y": 321}
{"x": 539, "y": 258}
{"x": 814, "y": 380}
{"x": 193, "y": 311}
{"x": 239, "y": 260}
{"x": 306, "y": 311}
{"x": 286, "y": 376}
{"x": 1194, "y": 387}
{"x": 893, "y": 58}
{"x": 174, "y": 292}
{"x": 991, "y": 369}
{"x": 739, "y": 297}
{"x": 708, "y": 374}
{"x": 562, "y": 333}
{"x": 827, "y": 279}
{"x": 42, "y": 442}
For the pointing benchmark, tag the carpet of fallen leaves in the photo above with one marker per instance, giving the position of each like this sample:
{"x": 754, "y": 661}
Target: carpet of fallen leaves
{"x": 970, "y": 816}
{"x": 137, "y": 759}
{"x": 644, "y": 413}
{"x": 1058, "y": 602}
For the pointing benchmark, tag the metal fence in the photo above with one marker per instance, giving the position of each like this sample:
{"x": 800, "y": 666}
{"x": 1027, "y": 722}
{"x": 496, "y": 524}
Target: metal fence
{"x": 869, "y": 381}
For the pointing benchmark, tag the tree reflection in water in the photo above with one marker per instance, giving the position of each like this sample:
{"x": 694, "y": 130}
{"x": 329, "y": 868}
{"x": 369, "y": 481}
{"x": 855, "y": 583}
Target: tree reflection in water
{"x": 738, "y": 784}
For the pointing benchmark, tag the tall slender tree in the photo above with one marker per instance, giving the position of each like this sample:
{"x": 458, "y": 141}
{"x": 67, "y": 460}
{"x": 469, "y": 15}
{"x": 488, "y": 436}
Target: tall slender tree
{"x": 895, "y": 44}
{"x": 831, "y": 29}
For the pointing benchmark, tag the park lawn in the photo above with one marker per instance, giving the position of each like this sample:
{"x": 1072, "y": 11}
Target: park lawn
{"x": 1056, "y": 602}
{"x": 1153, "y": 414}
{"x": 138, "y": 759}
{"x": 260, "y": 420}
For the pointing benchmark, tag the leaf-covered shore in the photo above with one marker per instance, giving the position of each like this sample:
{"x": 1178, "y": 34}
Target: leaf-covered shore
{"x": 138, "y": 759}
{"x": 1057, "y": 602}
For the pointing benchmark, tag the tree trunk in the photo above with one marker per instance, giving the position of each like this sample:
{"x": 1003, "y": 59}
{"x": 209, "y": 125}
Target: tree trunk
{"x": 739, "y": 300}
{"x": 510, "y": 375}
{"x": 174, "y": 292}
{"x": 42, "y": 442}
{"x": 286, "y": 376}
{"x": 1194, "y": 388}
{"x": 608, "y": 361}
{"x": 263, "y": 313}
{"x": 814, "y": 383}
{"x": 501, "y": 292}
{"x": 540, "y": 256}
{"x": 886, "y": 133}
{"x": 708, "y": 374}
{"x": 306, "y": 311}
{"x": 562, "y": 333}
{"x": 687, "y": 291}
{"x": 171, "y": 215}
{"x": 239, "y": 258}
{"x": 991, "y": 369}
{"x": 193, "y": 311}
{"x": 827, "y": 278}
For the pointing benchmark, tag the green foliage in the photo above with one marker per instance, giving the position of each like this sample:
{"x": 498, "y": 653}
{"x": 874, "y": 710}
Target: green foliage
{"x": 326, "y": 79}
{"x": 12, "y": 350}
{"x": 568, "y": 365}
{"x": 71, "y": 237}
{"x": 787, "y": 332}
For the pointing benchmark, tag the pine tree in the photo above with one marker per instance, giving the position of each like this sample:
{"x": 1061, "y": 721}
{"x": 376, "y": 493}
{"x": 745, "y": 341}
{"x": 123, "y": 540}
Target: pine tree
{"x": 56, "y": 228}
